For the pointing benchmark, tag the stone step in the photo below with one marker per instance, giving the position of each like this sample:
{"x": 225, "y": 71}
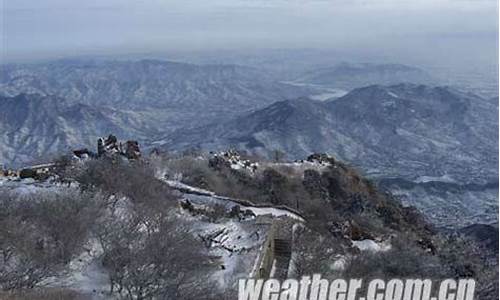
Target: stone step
{"x": 282, "y": 248}
{"x": 281, "y": 267}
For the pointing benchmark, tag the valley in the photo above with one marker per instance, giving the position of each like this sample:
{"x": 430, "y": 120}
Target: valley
{"x": 387, "y": 120}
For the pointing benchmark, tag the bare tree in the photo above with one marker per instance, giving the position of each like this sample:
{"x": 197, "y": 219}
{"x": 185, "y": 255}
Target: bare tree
{"x": 149, "y": 259}
{"x": 41, "y": 233}
{"x": 313, "y": 253}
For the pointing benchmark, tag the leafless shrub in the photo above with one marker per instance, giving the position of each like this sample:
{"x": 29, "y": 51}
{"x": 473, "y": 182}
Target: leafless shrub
{"x": 134, "y": 180}
{"x": 25, "y": 260}
{"x": 217, "y": 212}
{"x": 148, "y": 259}
{"x": 403, "y": 260}
{"x": 65, "y": 169}
{"x": 147, "y": 252}
{"x": 68, "y": 218}
{"x": 463, "y": 257}
{"x": 44, "y": 294}
{"x": 40, "y": 233}
{"x": 313, "y": 253}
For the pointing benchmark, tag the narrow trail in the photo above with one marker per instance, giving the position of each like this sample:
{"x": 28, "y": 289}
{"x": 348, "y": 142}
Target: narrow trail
{"x": 258, "y": 209}
{"x": 274, "y": 258}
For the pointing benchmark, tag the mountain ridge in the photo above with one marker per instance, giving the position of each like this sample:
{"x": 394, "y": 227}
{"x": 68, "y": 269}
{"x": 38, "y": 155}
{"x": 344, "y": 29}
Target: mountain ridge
{"x": 413, "y": 133}
{"x": 354, "y": 75}
{"x": 366, "y": 117}
{"x": 33, "y": 126}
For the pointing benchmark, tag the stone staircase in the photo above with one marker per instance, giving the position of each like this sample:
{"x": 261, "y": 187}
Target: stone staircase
{"x": 282, "y": 256}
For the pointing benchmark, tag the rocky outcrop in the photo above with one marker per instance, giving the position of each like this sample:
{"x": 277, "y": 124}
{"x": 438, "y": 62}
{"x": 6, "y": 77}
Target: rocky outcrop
{"x": 132, "y": 150}
{"x": 321, "y": 158}
{"x": 111, "y": 146}
{"x": 231, "y": 159}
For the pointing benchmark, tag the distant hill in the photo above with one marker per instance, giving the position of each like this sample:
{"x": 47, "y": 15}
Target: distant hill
{"x": 349, "y": 76}
{"x": 34, "y": 126}
{"x": 414, "y": 133}
{"x": 402, "y": 129}
{"x": 169, "y": 94}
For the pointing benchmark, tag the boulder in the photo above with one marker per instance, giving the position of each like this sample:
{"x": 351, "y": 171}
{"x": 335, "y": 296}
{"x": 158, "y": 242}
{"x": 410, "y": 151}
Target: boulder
{"x": 111, "y": 146}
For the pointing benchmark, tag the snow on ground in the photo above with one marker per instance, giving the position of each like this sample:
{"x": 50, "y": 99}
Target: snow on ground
{"x": 340, "y": 263}
{"x": 301, "y": 166}
{"x": 29, "y": 186}
{"x": 325, "y": 92}
{"x": 184, "y": 187}
{"x": 275, "y": 212}
{"x": 445, "y": 178}
{"x": 236, "y": 244}
{"x": 371, "y": 245}
{"x": 329, "y": 95}
{"x": 198, "y": 199}
{"x": 201, "y": 196}
{"x": 393, "y": 94}
{"x": 85, "y": 274}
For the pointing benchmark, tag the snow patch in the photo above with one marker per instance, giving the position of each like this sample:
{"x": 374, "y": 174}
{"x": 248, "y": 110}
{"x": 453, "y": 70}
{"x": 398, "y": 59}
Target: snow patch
{"x": 444, "y": 178}
{"x": 85, "y": 273}
{"x": 371, "y": 245}
{"x": 339, "y": 264}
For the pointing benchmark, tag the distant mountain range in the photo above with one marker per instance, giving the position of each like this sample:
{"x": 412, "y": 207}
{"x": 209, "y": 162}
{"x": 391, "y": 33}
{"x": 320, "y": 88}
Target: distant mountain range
{"x": 402, "y": 130}
{"x": 34, "y": 126}
{"x": 53, "y": 106}
{"x": 157, "y": 84}
{"x": 169, "y": 94}
{"x": 146, "y": 98}
{"x": 413, "y": 133}
{"x": 349, "y": 75}
{"x": 435, "y": 147}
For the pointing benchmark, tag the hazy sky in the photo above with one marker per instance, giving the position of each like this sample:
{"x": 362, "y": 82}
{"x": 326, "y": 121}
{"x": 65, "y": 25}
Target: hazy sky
{"x": 33, "y": 29}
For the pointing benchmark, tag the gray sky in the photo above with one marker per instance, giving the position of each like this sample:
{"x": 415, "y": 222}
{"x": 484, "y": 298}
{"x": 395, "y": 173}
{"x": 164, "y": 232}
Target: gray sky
{"x": 38, "y": 29}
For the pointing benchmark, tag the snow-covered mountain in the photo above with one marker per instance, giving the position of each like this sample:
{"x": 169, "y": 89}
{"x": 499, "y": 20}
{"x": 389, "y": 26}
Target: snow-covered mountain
{"x": 169, "y": 94}
{"x": 83, "y": 99}
{"x": 411, "y": 132}
{"x": 350, "y": 75}
{"x": 34, "y": 126}
{"x": 401, "y": 130}
{"x": 404, "y": 135}
{"x": 155, "y": 83}
{"x": 101, "y": 223}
